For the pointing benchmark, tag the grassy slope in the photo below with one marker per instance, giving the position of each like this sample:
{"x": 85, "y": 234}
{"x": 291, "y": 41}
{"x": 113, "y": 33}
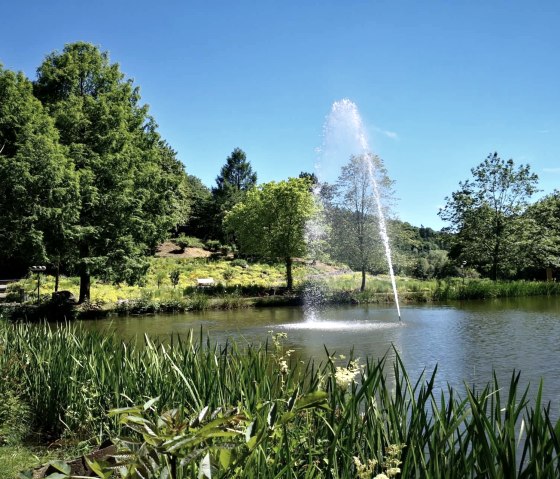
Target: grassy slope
{"x": 336, "y": 284}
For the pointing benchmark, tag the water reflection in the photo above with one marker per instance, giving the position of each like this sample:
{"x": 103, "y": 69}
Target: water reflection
{"x": 466, "y": 340}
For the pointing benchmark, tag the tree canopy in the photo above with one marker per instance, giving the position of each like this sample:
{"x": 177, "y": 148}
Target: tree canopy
{"x": 542, "y": 230}
{"x": 235, "y": 179}
{"x": 39, "y": 189}
{"x": 353, "y": 214}
{"x": 125, "y": 187}
{"x": 270, "y": 221}
{"x": 486, "y": 215}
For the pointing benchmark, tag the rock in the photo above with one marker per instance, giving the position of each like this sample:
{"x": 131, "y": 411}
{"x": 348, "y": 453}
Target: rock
{"x": 63, "y": 297}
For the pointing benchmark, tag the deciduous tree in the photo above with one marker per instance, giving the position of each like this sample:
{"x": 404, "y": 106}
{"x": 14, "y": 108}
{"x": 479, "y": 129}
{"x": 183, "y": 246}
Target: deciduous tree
{"x": 543, "y": 233}
{"x": 354, "y": 215}
{"x": 486, "y": 215}
{"x": 200, "y": 219}
{"x": 270, "y": 221}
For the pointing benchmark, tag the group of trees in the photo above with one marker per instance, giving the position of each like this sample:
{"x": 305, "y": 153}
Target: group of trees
{"x": 209, "y": 206}
{"x": 88, "y": 185}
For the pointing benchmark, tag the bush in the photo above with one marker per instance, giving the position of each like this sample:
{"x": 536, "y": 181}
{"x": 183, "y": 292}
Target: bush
{"x": 174, "y": 276}
{"x": 182, "y": 242}
{"x": 213, "y": 245}
{"x": 228, "y": 274}
{"x": 140, "y": 306}
{"x": 240, "y": 262}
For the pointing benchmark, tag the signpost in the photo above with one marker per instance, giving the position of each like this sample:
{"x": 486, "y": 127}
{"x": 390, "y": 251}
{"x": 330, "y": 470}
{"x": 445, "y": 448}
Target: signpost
{"x": 38, "y": 270}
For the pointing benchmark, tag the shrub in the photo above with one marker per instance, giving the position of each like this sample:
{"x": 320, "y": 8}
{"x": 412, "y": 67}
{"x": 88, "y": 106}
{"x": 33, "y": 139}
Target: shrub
{"x": 213, "y": 245}
{"x": 182, "y": 242}
{"x": 228, "y": 274}
{"x": 174, "y": 276}
{"x": 239, "y": 262}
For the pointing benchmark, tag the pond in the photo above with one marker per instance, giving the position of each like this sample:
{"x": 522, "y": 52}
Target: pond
{"x": 466, "y": 340}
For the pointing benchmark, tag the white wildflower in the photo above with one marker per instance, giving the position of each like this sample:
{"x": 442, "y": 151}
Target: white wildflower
{"x": 283, "y": 367}
{"x": 346, "y": 376}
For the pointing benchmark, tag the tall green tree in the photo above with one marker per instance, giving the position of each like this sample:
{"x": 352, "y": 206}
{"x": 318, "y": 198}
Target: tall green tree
{"x": 543, "y": 233}
{"x": 132, "y": 187}
{"x": 270, "y": 221}
{"x": 354, "y": 215}
{"x": 39, "y": 192}
{"x": 486, "y": 215}
{"x": 235, "y": 179}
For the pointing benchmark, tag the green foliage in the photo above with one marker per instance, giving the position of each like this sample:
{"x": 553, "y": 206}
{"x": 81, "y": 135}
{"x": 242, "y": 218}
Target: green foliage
{"x": 337, "y": 418}
{"x": 419, "y": 252}
{"x": 39, "y": 187}
{"x": 174, "y": 276}
{"x": 132, "y": 187}
{"x": 235, "y": 179}
{"x": 182, "y": 242}
{"x": 228, "y": 274}
{"x": 213, "y": 245}
{"x": 240, "y": 263}
{"x": 200, "y": 219}
{"x": 543, "y": 229}
{"x": 270, "y": 222}
{"x": 353, "y": 216}
{"x": 486, "y": 213}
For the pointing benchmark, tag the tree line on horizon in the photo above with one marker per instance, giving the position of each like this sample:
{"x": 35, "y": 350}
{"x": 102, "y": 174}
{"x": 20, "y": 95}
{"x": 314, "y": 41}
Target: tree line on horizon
{"x": 89, "y": 187}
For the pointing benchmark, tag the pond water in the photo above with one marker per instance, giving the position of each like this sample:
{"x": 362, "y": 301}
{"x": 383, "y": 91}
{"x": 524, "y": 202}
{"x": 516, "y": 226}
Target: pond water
{"x": 466, "y": 340}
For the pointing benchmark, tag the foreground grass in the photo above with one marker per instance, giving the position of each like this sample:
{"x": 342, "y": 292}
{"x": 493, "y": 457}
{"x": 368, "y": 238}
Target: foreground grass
{"x": 68, "y": 380}
{"x": 14, "y": 459}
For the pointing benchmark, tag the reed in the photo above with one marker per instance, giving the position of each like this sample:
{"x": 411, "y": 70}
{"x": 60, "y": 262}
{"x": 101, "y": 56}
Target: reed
{"x": 375, "y": 417}
{"x": 344, "y": 289}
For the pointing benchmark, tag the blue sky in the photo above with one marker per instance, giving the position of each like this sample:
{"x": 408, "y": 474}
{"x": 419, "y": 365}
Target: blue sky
{"x": 439, "y": 84}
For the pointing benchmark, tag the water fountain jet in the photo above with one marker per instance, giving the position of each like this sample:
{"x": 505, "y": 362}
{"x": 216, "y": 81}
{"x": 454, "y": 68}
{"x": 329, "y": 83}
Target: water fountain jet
{"x": 344, "y": 121}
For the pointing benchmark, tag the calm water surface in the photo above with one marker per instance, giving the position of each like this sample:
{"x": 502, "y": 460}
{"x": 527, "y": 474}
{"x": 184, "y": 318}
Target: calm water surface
{"x": 467, "y": 340}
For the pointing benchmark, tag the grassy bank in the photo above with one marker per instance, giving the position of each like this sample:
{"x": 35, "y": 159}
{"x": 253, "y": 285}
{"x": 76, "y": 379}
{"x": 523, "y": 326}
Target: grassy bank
{"x": 239, "y": 285}
{"x": 334, "y": 418}
{"x": 344, "y": 289}
{"x": 158, "y": 285}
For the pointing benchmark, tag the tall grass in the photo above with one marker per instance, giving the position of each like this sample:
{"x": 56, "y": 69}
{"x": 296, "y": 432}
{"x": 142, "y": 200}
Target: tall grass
{"x": 70, "y": 379}
{"x": 453, "y": 289}
{"x": 344, "y": 289}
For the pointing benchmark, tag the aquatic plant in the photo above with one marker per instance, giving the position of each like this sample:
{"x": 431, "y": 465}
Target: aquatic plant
{"x": 69, "y": 380}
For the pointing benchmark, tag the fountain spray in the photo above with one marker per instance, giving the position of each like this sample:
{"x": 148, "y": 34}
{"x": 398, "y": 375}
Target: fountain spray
{"x": 344, "y": 115}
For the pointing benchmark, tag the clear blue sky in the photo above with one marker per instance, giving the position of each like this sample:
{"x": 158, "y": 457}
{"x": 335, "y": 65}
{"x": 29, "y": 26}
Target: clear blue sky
{"x": 439, "y": 84}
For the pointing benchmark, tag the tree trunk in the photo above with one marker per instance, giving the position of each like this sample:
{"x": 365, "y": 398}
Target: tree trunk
{"x": 289, "y": 277}
{"x": 57, "y": 277}
{"x": 363, "y": 286}
{"x": 85, "y": 283}
{"x": 85, "y": 277}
